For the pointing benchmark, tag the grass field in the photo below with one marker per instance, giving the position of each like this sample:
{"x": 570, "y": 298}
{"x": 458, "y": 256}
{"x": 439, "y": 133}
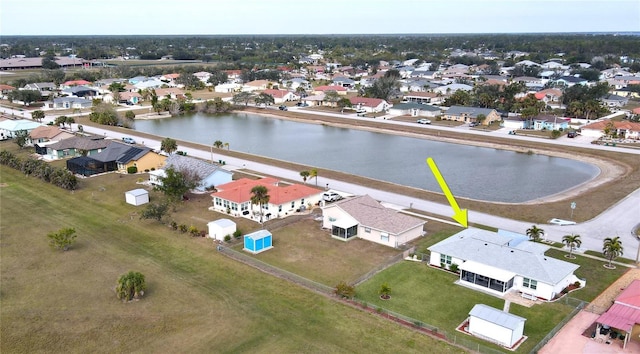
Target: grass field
{"x": 430, "y": 295}
{"x": 197, "y": 300}
{"x": 302, "y": 248}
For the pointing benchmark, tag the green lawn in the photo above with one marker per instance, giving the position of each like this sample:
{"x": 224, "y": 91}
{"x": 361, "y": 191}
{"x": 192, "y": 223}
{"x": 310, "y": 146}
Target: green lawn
{"x": 197, "y": 299}
{"x": 430, "y": 295}
{"x": 598, "y": 277}
{"x": 302, "y": 248}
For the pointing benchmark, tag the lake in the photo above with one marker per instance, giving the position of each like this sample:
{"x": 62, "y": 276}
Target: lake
{"x": 471, "y": 172}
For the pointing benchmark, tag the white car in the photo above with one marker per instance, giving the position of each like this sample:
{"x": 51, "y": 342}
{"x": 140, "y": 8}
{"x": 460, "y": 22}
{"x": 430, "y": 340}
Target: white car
{"x": 331, "y": 196}
{"x": 423, "y": 121}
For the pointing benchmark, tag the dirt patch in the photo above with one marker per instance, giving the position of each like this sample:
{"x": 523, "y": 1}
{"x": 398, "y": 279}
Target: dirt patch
{"x": 2, "y": 185}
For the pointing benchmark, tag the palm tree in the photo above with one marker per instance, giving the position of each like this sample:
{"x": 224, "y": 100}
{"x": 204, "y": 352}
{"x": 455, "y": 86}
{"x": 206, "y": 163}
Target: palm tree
{"x": 573, "y": 242}
{"x": 227, "y": 146}
{"x": 131, "y": 286}
{"x": 535, "y": 233}
{"x": 168, "y": 145}
{"x": 313, "y": 173}
{"x": 305, "y": 175}
{"x": 260, "y": 196}
{"x": 612, "y": 248}
{"x": 385, "y": 291}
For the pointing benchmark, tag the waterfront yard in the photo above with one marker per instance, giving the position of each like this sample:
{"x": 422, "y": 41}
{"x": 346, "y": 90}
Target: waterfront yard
{"x": 197, "y": 299}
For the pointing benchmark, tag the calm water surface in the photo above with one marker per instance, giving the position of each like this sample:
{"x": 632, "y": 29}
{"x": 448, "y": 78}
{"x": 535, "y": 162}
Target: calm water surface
{"x": 471, "y": 172}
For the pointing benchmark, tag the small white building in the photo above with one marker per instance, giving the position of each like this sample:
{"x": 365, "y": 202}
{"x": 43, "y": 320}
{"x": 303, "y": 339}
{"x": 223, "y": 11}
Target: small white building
{"x": 220, "y": 228}
{"x": 137, "y": 197}
{"x": 495, "y": 325}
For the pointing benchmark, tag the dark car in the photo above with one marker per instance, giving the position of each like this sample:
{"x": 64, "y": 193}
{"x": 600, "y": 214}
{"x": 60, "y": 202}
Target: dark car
{"x": 571, "y": 134}
{"x": 282, "y": 108}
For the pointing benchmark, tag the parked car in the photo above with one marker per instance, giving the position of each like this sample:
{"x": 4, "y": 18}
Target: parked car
{"x": 512, "y": 132}
{"x": 423, "y": 121}
{"x": 572, "y": 134}
{"x": 331, "y": 196}
{"x": 361, "y": 111}
{"x": 128, "y": 140}
{"x": 302, "y": 104}
{"x": 561, "y": 222}
{"x": 282, "y": 108}
{"x": 474, "y": 124}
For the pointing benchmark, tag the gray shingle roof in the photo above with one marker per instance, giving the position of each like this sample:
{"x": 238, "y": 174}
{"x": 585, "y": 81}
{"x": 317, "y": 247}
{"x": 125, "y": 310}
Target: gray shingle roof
{"x": 409, "y": 105}
{"x": 491, "y": 249}
{"x": 369, "y": 213}
{"x": 185, "y": 163}
{"x": 81, "y": 143}
{"x": 470, "y": 111}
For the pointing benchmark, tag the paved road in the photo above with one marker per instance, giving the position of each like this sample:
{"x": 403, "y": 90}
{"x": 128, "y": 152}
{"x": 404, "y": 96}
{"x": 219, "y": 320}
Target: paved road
{"x": 619, "y": 220}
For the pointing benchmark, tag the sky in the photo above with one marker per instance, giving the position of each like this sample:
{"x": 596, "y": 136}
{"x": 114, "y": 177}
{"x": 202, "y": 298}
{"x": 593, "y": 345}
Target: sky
{"x": 222, "y": 17}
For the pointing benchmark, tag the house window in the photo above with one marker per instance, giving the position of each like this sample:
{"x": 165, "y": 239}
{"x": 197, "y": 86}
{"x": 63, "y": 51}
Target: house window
{"x": 367, "y": 230}
{"x": 218, "y": 201}
{"x": 444, "y": 259}
{"x": 234, "y": 206}
{"x": 225, "y": 203}
{"x": 293, "y": 204}
{"x": 384, "y": 237}
{"x": 529, "y": 283}
{"x": 332, "y": 219}
{"x": 279, "y": 208}
{"x": 302, "y": 201}
{"x": 244, "y": 206}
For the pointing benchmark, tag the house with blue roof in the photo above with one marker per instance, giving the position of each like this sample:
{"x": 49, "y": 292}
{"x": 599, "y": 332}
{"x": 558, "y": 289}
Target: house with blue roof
{"x": 499, "y": 263}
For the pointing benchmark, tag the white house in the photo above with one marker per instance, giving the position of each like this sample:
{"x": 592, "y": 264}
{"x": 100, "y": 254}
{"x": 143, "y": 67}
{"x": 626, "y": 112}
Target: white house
{"x": 365, "y": 218}
{"x": 10, "y": 128}
{"x": 234, "y": 198}
{"x": 206, "y": 174}
{"x": 281, "y": 96}
{"x": 228, "y": 87}
{"x": 137, "y": 197}
{"x": 220, "y": 228}
{"x": 501, "y": 262}
{"x": 370, "y": 104}
{"x": 495, "y": 325}
{"x": 414, "y": 110}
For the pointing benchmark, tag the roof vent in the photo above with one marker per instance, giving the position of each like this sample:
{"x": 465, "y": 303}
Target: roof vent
{"x": 485, "y": 244}
{"x": 511, "y": 251}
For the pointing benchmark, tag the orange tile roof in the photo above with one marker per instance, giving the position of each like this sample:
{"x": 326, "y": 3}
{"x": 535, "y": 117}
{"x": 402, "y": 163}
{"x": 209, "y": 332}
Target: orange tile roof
{"x": 6, "y": 87}
{"x": 366, "y": 101}
{"x": 276, "y": 93}
{"x": 599, "y": 125}
{"x": 240, "y": 191}
{"x": 77, "y": 83}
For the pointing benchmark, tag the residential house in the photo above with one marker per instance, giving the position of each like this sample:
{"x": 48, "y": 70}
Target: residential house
{"x": 365, "y": 218}
{"x": 549, "y": 96}
{"x": 281, "y": 96}
{"x": 11, "y": 128}
{"x": 45, "y": 88}
{"x": 80, "y": 91}
{"x": 550, "y": 122}
{"x": 626, "y": 92}
{"x": 451, "y": 88}
{"x": 343, "y": 81}
{"x": 234, "y": 76}
{"x": 150, "y": 83}
{"x": 470, "y": 114}
{"x": 315, "y": 100}
{"x": 116, "y": 157}
{"x": 420, "y": 85}
{"x": 415, "y": 110}
{"x": 4, "y": 90}
{"x": 516, "y": 122}
{"x": 623, "y": 315}
{"x": 170, "y": 79}
{"x": 228, "y": 87}
{"x": 73, "y": 83}
{"x": 339, "y": 89}
{"x": 47, "y": 133}
{"x": 296, "y": 82}
{"x": 169, "y": 92}
{"x": 203, "y": 76}
{"x": 569, "y": 81}
{"x": 624, "y": 129}
{"x": 76, "y": 146}
{"x": 207, "y": 175}
{"x": 370, "y": 104}
{"x": 423, "y": 97}
{"x": 69, "y": 102}
{"x": 130, "y": 98}
{"x": 502, "y": 262}
{"x": 284, "y": 199}
{"x": 615, "y": 101}
{"x": 257, "y": 85}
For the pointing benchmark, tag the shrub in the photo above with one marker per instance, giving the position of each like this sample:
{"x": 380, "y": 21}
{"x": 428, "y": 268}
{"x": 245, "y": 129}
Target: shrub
{"x": 146, "y": 170}
{"x": 132, "y": 169}
{"x": 576, "y": 284}
{"x": 237, "y": 234}
{"x": 183, "y": 228}
{"x": 453, "y": 267}
{"x": 556, "y": 134}
{"x": 345, "y": 290}
{"x": 174, "y": 225}
{"x": 227, "y": 238}
{"x": 193, "y": 230}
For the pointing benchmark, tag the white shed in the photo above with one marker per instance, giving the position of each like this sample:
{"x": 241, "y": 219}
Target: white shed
{"x": 496, "y": 325}
{"x": 137, "y": 197}
{"x": 220, "y": 228}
